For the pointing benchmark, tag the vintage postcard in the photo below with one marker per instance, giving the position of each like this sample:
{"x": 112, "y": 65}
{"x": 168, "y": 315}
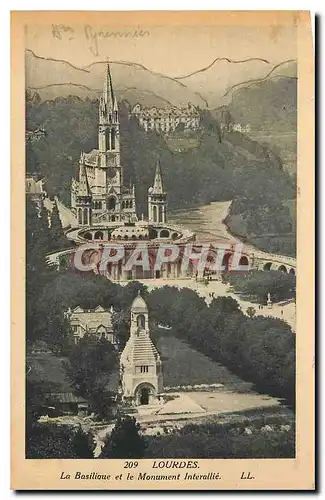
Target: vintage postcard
{"x": 162, "y": 251}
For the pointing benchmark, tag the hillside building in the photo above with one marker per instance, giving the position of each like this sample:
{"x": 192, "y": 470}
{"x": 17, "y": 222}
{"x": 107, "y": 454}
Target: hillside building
{"x": 167, "y": 119}
{"x": 96, "y": 322}
{"x": 34, "y": 189}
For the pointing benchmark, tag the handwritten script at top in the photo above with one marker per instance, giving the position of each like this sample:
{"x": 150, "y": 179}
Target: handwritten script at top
{"x": 93, "y": 35}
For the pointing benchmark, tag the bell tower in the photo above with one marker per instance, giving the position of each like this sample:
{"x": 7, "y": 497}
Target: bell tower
{"x": 157, "y": 205}
{"x": 109, "y": 130}
{"x": 140, "y": 364}
{"x": 84, "y": 196}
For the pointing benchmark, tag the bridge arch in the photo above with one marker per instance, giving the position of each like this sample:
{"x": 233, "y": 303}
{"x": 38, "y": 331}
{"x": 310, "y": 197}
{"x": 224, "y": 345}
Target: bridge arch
{"x": 99, "y": 235}
{"x": 267, "y": 266}
{"x": 164, "y": 233}
{"x": 226, "y": 260}
{"x": 292, "y": 271}
{"x": 243, "y": 261}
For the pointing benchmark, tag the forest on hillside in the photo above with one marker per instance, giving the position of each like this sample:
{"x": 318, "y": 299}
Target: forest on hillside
{"x": 225, "y": 166}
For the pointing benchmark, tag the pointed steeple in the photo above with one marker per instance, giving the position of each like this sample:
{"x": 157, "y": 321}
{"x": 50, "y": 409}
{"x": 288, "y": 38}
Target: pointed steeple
{"x": 108, "y": 92}
{"x": 158, "y": 187}
{"x": 84, "y": 188}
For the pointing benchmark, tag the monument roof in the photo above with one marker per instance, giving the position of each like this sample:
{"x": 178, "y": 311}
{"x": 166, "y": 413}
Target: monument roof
{"x": 139, "y": 304}
{"x": 140, "y": 350}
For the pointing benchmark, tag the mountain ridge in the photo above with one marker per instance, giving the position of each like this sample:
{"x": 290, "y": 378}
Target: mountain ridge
{"x": 44, "y": 72}
{"x": 248, "y": 83}
{"x": 207, "y": 87}
{"x": 219, "y": 59}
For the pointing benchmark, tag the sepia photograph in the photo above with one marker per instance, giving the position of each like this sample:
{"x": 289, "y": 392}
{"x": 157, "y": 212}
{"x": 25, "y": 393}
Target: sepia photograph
{"x": 160, "y": 230}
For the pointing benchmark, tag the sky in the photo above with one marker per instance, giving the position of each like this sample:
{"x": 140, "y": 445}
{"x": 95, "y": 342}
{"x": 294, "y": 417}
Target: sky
{"x": 173, "y": 51}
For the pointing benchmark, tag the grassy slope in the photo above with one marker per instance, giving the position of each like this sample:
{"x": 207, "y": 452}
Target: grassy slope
{"x": 181, "y": 366}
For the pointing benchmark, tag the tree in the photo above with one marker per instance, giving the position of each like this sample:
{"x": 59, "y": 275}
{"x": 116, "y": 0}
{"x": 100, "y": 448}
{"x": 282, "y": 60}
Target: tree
{"x": 91, "y": 363}
{"x": 82, "y": 444}
{"x": 51, "y": 441}
{"x": 125, "y": 440}
{"x": 38, "y": 274}
{"x": 257, "y": 284}
{"x": 251, "y": 311}
{"x": 59, "y": 241}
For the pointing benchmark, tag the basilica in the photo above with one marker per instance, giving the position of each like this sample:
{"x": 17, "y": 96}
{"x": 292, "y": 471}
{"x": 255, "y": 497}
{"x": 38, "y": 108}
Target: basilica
{"x": 99, "y": 195}
{"x": 105, "y": 209}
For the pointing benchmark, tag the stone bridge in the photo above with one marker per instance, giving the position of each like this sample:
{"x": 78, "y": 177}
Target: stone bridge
{"x": 274, "y": 262}
{"x": 259, "y": 260}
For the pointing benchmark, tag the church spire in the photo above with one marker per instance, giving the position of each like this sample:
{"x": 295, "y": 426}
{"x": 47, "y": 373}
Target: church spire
{"x": 109, "y": 127}
{"x": 108, "y": 92}
{"x": 84, "y": 188}
{"x": 158, "y": 187}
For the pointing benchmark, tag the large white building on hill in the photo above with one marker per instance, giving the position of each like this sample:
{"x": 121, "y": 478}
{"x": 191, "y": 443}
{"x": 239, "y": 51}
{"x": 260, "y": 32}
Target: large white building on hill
{"x": 167, "y": 119}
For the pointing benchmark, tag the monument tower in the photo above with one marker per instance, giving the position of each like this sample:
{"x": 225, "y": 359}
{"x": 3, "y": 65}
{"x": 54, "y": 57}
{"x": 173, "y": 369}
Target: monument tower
{"x": 140, "y": 364}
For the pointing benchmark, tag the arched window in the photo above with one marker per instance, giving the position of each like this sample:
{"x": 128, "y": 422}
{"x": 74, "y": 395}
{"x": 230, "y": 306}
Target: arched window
{"x": 113, "y": 218}
{"x": 160, "y": 213}
{"x": 99, "y": 235}
{"x": 85, "y": 216}
{"x": 80, "y": 215}
{"x": 111, "y": 203}
{"x": 123, "y": 204}
{"x": 107, "y": 139}
{"x": 131, "y": 204}
{"x": 113, "y": 138}
{"x": 88, "y": 236}
{"x": 141, "y": 321}
{"x": 154, "y": 213}
{"x": 283, "y": 269}
{"x": 126, "y": 237}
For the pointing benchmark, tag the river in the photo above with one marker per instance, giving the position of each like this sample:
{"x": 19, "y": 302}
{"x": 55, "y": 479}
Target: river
{"x": 205, "y": 221}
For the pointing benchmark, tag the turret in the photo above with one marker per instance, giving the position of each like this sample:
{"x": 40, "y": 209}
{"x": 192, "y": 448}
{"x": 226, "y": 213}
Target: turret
{"x": 84, "y": 196}
{"x": 157, "y": 206}
{"x": 139, "y": 316}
